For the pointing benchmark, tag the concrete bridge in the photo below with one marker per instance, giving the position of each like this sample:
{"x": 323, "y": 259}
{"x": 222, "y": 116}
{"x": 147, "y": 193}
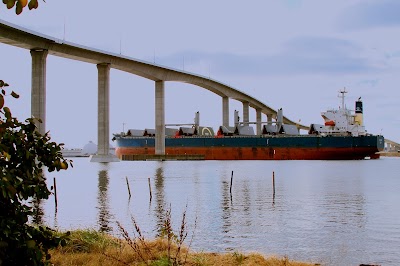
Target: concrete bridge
{"x": 40, "y": 46}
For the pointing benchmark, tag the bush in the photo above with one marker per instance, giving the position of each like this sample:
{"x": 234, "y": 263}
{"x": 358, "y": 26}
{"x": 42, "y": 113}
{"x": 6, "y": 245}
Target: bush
{"x": 24, "y": 154}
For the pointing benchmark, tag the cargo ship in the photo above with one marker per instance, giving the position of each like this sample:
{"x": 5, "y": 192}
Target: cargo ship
{"x": 341, "y": 137}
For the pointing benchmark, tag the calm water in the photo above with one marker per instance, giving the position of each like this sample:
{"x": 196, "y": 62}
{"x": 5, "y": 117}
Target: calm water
{"x": 332, "y": 212}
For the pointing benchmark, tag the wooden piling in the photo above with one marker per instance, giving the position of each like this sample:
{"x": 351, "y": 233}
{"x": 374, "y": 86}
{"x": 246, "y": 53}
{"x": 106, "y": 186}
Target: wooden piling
{"x": 150, "y": 189}
{"x": 230, "y": 189}
{"x": 55, "y": 192}
{"x": 127, "y": 184}
{"x": 273, "y": 182}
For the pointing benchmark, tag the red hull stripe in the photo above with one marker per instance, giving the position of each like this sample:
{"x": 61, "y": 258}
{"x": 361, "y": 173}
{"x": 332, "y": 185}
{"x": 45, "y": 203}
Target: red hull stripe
{"x": 260, "y": 153}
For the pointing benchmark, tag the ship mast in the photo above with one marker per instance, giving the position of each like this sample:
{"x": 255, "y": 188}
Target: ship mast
{"x": 342, "y": 96}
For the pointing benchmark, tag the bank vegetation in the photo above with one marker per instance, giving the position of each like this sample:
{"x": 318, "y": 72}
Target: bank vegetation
{"x": 89, "y": 247}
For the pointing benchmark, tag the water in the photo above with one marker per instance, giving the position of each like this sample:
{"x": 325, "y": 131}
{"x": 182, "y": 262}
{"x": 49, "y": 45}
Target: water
{"x": 331, "y": 212}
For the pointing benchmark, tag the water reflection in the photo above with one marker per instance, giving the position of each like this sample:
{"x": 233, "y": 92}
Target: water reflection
{"x": 246, "y": 204}
{"x": 104, "y": 216}
{"x": 226, "y": 206}
{"x": 160, "y": 197}
{"x": 344, "y": 209}
{"x": 37, "y": 209}
{"x": 55, "y": 221}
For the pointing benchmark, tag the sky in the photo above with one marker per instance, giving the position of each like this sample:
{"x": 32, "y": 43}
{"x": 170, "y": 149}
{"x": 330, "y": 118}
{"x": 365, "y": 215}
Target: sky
{"x": 289, "y": 54}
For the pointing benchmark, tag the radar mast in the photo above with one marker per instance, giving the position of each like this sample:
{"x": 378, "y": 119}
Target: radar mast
{"x": 343, "y": 92}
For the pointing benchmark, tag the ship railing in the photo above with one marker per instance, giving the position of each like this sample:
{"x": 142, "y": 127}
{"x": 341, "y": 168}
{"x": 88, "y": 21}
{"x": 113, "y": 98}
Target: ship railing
{"x": 249, "y": 136}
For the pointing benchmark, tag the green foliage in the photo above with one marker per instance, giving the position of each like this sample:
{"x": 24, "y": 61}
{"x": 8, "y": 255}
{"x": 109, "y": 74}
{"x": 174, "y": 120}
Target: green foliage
{"x": 88, "y": 240}
{"x": 24, "y": 155}
{"x": 20, "y": 4}
{"x": 239, "y": 257}
{"x": 164, "y": 261}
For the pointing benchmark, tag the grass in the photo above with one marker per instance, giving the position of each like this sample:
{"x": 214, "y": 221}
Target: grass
{"x": 89, "y": 247}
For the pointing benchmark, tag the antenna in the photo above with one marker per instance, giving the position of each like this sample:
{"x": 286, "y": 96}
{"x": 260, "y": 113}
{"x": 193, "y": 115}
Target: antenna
{"x": 120, "y": 44}
{"x": 64, "y": 30}
{"x": 342, "y": 96}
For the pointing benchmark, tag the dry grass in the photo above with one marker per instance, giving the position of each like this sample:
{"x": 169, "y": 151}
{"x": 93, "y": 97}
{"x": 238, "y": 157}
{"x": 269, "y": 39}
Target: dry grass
{"x": 89, "y": 247}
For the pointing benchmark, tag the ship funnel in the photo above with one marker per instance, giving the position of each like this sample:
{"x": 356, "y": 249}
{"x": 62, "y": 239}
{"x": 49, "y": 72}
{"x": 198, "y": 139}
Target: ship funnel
{"x": 236, "y": 118}
{"x": 358, "y": 120}
{"x": 279, "y": 117}
{"x": 197, "y": 119}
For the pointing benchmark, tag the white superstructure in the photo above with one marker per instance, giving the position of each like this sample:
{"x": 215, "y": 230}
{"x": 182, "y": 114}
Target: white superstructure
{"x": 341, "y": 121}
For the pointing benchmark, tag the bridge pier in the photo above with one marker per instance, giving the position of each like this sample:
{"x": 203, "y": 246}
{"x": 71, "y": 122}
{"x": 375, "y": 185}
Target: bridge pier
{"x": 258, "y": 121}
{"x": 38, "y": 93}
{"x": 225, "y": 111}
{"x": 269, "y": 119}
{"x": 160, "y": 118}
{"x": 103, "y": 117}
{"x": 246, "y": 112}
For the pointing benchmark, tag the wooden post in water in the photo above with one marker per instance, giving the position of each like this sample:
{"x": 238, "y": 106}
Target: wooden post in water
{"x": 55, "y": 192}
{"x": 150, "y": 189}
{"x": 230, "y": 189}
{"x": 127, "y": 184}
{"x": 273, "y": 182}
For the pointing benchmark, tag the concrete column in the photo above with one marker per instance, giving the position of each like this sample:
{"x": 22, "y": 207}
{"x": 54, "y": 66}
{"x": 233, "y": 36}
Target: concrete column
{"x": 38, "y": 93}
{"x": 225, "y": 111}
{"x": 103, "y": 116}
{"x": 160, "y": 118}
{"x": 246, "y": 112}
{"x": 258, "y": 120}
{"x": 269, "y": 119}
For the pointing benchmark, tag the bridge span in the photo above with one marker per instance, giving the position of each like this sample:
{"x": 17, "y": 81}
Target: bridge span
{"x": 41, "y": 45}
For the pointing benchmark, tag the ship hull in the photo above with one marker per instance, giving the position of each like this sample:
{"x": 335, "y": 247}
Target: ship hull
{"x": 259, "y": 148}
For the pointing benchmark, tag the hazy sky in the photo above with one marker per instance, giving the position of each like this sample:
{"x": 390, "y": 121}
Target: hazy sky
{"x": 292, "y": 54}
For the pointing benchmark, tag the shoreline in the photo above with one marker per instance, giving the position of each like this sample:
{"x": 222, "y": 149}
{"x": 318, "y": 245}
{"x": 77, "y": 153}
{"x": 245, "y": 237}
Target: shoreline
{"x": 390, "y": 154}
{"x": 89, "y": 247}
